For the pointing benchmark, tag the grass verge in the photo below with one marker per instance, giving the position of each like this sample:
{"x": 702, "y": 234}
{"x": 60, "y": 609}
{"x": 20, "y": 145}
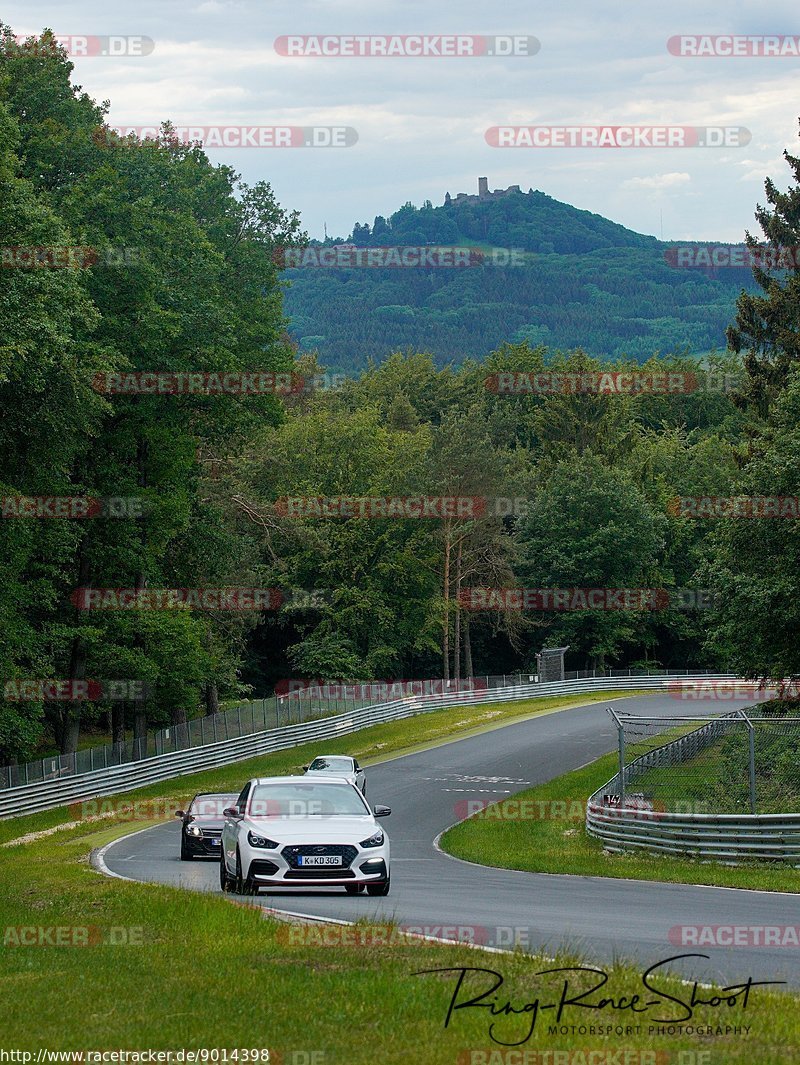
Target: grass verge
{"x": 172, "y": 969}
{"x": 548, "y": 835}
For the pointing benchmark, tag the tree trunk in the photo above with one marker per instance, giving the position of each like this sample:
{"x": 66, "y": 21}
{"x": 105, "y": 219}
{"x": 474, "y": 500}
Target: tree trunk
{"x": 211, "y": 696}
{"x": 118, "y": 721}
{"x": 70, "y": 726}
{"x": 457, "y": 634}
{"x": 468, "y": 671}
{"x": 139, "y": 729}
{"x": 139, "y": 706}
{"x": 446, "y": 590}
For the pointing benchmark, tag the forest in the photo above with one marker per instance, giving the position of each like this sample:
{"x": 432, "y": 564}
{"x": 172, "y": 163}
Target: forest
{"x": 542, "y": 271}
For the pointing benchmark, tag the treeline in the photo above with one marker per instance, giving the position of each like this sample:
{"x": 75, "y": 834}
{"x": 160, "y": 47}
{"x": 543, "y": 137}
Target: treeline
{"x": 174, "y": 272}
{"x": 121, "y": 256}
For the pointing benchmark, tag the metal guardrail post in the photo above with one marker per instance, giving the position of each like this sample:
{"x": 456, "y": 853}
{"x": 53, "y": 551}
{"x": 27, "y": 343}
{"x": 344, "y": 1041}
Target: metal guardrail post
{"x": 752, "y": 752}
{"x": 621, "y": 747}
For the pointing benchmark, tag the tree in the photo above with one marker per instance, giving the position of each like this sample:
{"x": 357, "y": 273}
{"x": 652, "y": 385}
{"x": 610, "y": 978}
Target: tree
{"x": 756, "y": 561}
{"x": 768, "y": 325}
{"x": 589, "y": 526}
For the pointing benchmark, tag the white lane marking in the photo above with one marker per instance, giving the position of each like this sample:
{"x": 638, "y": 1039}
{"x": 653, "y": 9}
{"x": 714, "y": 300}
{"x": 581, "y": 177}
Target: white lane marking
{"x": 98, "y": 858}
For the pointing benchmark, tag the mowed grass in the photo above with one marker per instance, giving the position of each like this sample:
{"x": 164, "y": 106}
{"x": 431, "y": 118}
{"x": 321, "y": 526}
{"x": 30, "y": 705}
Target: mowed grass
{"x": 368, "y": 745}
{"x": 548, "y": 835}
{"x": 172, "y": 969}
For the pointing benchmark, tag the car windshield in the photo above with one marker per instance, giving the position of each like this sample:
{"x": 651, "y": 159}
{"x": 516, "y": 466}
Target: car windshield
{"x": 334, "y": 764}
{"x": 210, "y": 805}
{"x": 307, "y": 800}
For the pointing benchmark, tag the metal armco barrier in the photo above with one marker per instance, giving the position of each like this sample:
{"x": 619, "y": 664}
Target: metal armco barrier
{"x": 721, "y": 837}
{"x": 47, "y": 795}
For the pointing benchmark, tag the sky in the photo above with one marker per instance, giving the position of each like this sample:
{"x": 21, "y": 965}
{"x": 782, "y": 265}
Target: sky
{"x": 421, "y": 121}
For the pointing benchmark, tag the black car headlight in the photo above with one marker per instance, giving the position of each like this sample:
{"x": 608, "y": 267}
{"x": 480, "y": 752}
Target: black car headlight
{"x": 261, "y": 841}
{"x": 193, "y": 830}
{"x": 375, "y": 840}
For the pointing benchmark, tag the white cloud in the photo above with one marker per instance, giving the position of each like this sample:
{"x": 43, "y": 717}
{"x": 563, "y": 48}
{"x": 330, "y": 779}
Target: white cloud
{"x": 421, "y": 122}
{"x": 657, "y": 182}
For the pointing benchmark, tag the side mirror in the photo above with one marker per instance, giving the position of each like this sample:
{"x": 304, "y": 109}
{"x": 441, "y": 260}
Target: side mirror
{"x": 231, "y": 811}
{"x": 382, "y": 811}
{"x": 180, "y": 813}
{"x": 305, "y": 768}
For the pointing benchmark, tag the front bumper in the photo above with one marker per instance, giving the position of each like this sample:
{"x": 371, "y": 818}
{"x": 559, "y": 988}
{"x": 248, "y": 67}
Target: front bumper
{"x": 209, "y": 844}
{"x": 367, "y": 865}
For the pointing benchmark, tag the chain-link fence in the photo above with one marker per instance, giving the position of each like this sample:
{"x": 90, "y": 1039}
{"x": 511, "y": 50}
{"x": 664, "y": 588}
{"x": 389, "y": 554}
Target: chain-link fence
{"x": 732, "y": 763}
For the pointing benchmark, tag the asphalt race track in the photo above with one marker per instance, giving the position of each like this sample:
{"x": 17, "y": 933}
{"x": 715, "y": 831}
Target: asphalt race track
{"x": 601, "y": 918}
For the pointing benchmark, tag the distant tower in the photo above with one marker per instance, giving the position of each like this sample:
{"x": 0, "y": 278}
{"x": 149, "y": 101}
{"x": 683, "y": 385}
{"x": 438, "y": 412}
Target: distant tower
{"x": 483, "y": 187}
{"x": 447, "y": 198}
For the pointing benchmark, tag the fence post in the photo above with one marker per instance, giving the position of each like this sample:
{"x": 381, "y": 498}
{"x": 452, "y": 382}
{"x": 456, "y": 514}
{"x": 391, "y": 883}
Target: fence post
{"x": 752, "y": 746}
{"x": 621, "y": 747}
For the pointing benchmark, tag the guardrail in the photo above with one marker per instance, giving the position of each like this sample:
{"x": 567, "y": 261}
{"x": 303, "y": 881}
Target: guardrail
{"x": 46, "y": 795}
{"x": 306, "y": 702}
{"x": 625, "y": 825}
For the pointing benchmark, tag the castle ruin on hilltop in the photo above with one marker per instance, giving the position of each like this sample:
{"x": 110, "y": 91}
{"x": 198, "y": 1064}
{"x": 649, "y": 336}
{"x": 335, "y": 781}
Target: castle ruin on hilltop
{"x": 483, "y": 193}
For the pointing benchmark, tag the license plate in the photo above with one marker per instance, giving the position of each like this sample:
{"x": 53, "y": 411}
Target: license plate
{"x": 326, "y": 859}
{"x": 216, "y": 842}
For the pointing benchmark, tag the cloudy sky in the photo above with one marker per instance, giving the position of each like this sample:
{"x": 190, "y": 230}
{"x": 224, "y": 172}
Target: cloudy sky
{"x": 421, "y": 121}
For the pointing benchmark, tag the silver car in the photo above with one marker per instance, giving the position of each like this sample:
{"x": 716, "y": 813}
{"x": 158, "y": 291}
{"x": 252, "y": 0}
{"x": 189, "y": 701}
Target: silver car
{"x": 338, "y": 765}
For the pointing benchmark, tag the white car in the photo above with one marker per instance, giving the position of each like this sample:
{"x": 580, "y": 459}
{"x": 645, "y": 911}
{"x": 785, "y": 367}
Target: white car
{"x": 338, "y": 765}
{"x": 286, "y": 832}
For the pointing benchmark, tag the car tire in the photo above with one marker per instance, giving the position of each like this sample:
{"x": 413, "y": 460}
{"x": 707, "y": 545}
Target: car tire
{"x": 226, "y": 881}
{"x": 240, "y": 885}
{"x": 353, "y": 889}
{"x": 379, "y": 889}
{"x": 186, "y": 854}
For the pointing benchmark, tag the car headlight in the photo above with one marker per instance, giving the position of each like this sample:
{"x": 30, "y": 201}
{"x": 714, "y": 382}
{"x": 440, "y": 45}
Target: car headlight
{"x": 375, "y": 840}
{"x": 193, "y": 830}
{"x": 261, "y": 841}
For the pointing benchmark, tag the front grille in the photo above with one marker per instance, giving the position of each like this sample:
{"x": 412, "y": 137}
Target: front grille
{"x": 331, "y": 873}
{"x": 345, "y": 851}
{"x": 262, "y": 867}
{"x": 212, "y": 833}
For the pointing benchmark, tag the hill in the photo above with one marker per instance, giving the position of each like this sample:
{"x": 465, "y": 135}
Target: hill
{"x": 580, "y": 280}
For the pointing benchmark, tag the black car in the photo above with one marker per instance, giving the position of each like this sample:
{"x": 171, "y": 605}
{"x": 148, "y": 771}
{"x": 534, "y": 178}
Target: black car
{"x": 201, "y": 829}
